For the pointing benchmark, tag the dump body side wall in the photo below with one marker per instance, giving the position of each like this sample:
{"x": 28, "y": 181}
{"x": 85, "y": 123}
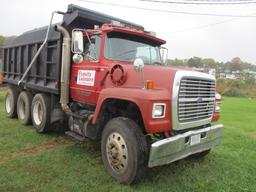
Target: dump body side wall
{"x": 45, "y": 72}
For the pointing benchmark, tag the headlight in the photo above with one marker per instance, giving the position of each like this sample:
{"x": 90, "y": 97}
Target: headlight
{"x": 158, "y": 110}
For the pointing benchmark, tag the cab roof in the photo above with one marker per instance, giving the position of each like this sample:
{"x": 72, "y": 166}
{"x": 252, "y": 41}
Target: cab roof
{"x": 131, "y": 31}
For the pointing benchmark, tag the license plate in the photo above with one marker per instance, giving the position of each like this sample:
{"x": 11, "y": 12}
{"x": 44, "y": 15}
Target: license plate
{"x": 195, "y": 139}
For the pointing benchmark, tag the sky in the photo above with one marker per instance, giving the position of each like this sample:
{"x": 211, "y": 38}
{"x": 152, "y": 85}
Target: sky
{"x": 220, "y": 38}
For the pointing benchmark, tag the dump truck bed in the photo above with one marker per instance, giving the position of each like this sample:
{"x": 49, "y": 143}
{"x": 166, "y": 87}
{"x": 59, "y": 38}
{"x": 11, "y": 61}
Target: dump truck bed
{"x": 18, "y": 53}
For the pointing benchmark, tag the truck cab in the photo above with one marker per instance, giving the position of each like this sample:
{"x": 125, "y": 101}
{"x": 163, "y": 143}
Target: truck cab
{"x": 108, "y": 63}
{"x": 110, "y": 50}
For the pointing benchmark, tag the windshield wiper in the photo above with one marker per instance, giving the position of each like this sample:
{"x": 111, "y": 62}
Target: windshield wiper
{"x": 157, "y": 63}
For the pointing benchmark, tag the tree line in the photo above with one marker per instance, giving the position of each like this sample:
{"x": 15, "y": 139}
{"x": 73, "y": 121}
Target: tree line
{"x": 236, "y": 64}
{"x": 244, "y": 86}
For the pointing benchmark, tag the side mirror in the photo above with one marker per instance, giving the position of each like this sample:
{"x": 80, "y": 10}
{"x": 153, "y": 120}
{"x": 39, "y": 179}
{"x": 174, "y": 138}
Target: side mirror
{"x": 138, "y": 64}
{"x": 77, "y": 42}
{"x": 164, "y": 54}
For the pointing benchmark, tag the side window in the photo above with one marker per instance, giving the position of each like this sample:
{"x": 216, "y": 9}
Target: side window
{"x": 92, "y": 47}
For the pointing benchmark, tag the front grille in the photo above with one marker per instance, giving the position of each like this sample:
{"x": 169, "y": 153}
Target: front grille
{"x": 196, "y": 99}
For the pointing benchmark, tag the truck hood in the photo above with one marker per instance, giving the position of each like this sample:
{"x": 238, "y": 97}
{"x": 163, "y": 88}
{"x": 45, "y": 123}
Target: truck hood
{"x": 162, "y": 76}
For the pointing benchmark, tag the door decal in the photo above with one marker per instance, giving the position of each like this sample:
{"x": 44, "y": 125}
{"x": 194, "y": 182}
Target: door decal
{"x": 86, "y": 77}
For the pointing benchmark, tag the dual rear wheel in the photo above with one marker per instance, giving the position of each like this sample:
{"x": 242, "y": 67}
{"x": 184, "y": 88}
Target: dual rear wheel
{"x": 28, "y": 108}
{"x": 41, "y": 112}
{"x": 23, "y": 107}
{"x": 11, "y": 102}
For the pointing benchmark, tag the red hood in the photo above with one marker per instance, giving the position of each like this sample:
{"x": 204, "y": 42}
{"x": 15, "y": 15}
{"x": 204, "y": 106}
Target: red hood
{"x": 162, "y": 76}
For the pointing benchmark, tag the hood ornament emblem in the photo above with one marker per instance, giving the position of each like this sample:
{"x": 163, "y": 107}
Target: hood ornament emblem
{"x": 199, "y": 99}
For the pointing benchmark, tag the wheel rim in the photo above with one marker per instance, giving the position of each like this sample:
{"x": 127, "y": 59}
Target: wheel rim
{"x": 117, "y": 152}
{"x": 8, "y": 103}
{"x": 38, "y": 113}
{"x": 21, "y": 109}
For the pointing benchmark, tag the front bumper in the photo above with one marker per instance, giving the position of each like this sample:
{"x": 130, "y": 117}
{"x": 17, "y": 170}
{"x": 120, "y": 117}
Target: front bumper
{"x": 178, "y": 147}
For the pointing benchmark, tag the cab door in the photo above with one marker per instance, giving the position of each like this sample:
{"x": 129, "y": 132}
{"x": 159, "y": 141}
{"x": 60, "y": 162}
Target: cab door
{"x": 86, "y": 76}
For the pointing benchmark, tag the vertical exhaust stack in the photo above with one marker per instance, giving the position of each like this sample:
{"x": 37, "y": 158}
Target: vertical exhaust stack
{"x": 65, "y": 67}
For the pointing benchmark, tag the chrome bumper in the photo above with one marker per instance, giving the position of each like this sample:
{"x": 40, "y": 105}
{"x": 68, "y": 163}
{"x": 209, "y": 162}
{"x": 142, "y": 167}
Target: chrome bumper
{"x": 178, "y": 147}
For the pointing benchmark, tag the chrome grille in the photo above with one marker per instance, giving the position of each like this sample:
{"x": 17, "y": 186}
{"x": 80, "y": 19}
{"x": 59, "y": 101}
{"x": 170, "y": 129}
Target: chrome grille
{"x": 196, "y": 99}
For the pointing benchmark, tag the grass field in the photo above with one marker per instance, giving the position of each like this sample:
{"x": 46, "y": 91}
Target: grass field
{"x": 54, "y": 162}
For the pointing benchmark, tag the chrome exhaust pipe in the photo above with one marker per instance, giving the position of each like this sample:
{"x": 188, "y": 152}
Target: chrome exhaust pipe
{"x": 65, "y": 68}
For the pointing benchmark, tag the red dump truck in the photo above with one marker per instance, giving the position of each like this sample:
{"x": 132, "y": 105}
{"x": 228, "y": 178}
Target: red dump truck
{"x": 103, "y": 78}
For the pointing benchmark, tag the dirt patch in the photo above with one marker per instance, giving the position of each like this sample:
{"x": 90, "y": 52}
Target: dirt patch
{"x": 38, "y": 148}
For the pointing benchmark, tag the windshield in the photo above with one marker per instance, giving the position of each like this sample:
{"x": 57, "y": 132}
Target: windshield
{"x": 125, "y": 47}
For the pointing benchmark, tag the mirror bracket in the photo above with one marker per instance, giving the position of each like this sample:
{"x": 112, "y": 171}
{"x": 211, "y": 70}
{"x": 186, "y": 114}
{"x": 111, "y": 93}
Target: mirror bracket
{"x": 138, "y": 67}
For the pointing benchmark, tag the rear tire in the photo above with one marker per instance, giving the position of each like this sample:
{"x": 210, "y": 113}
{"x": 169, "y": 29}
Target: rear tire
{"x": 24, "y": 107}
{"x": 40, "y": 112}
{"x": 11, "y": 102}
{"x": 124, "y": 150}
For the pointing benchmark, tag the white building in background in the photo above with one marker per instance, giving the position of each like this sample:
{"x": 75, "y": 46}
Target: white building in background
{"x": 230, "y": 76}
{"x": 210, "y": 71}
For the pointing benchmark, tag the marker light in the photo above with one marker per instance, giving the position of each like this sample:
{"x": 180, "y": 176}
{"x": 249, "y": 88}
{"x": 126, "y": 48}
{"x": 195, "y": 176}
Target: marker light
{"x": 150, "y": 84}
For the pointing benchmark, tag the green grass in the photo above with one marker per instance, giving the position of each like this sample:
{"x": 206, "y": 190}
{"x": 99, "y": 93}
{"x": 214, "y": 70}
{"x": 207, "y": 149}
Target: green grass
{"x": 53, "y": 162}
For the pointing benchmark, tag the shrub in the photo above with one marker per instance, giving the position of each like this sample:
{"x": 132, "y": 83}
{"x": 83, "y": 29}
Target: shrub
{"x": 238, "y": 88}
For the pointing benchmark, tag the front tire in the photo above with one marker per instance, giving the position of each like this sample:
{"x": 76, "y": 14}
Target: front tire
{"x": 124, "y": 150}
{"x": 23, "y": 107}
{"x": 11, "y": 102}
{"x": 40, "y": 112}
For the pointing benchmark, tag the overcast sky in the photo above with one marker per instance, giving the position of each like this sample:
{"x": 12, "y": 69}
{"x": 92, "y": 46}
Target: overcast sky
{"x": 221, "y": 38}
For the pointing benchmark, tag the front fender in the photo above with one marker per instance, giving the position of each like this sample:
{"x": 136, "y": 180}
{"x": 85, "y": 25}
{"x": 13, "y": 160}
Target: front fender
{"x": 144, "y": 99}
